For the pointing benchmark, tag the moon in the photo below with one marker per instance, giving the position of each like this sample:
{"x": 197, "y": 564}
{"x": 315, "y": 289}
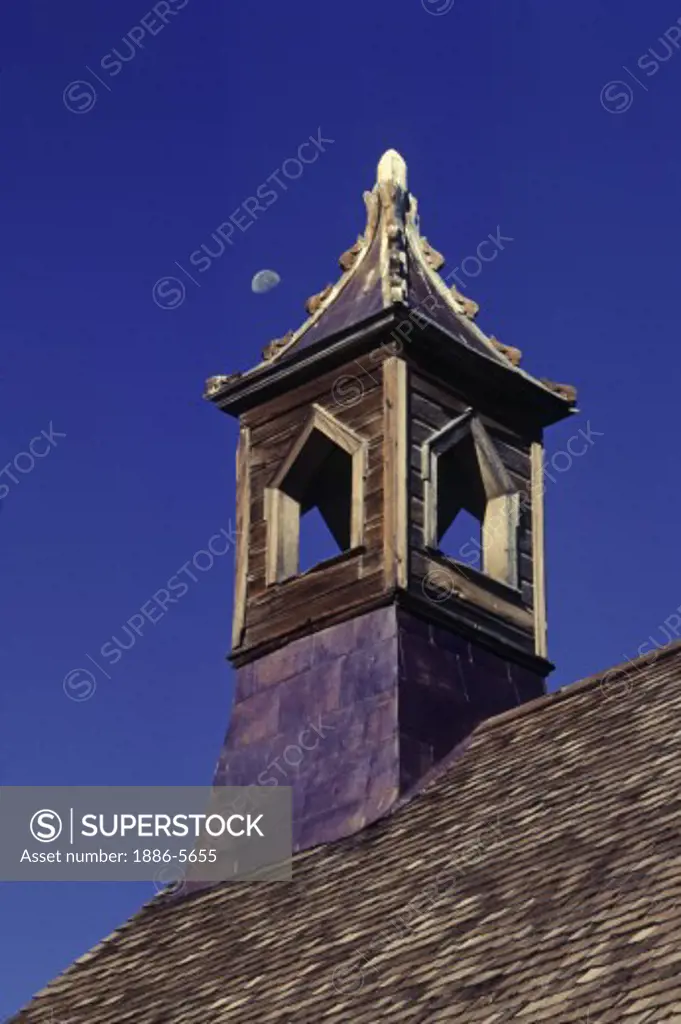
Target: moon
{"x": 265, "y": 281}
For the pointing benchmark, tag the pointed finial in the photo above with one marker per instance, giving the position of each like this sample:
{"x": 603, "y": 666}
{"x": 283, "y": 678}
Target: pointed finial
{"x": 392, "y": 170}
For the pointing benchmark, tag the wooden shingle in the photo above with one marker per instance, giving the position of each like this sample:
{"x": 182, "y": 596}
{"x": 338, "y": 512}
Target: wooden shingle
{"x": 534, "y": 878}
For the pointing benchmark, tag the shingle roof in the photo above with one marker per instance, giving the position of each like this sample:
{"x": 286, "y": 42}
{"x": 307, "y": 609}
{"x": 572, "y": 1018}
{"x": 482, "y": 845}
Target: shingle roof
{"x": 537, "y": 877}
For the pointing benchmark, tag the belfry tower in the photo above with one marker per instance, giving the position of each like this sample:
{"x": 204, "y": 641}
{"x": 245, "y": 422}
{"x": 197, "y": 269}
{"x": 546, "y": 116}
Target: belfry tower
{"x": 391, "y": 413}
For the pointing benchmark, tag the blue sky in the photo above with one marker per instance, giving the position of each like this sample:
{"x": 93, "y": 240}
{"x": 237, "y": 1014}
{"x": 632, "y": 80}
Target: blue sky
{"x": 511, "y": 116}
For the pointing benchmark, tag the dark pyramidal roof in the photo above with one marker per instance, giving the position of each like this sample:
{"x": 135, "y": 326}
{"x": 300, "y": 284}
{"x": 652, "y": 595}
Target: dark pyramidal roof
{"x": 390, "y": 266}
{"x": 536, "y": 877}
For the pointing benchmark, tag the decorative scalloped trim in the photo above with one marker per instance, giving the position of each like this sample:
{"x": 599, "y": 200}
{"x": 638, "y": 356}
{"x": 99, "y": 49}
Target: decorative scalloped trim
{"x": 373, "y": 218}
{"x": 393, "y": 210}
{"x": 514, "y": 355}
{"x": 393, "y": 243}
{"x": 566, "y": 391}
{"x": 217, "y": 383}
{"x": 457, "y": 307}
{"x": 415, "y": 248}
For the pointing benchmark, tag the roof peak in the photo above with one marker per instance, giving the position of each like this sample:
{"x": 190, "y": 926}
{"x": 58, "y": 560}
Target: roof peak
{"x": 390, "y": 265}
{"x": 392, "y": 169}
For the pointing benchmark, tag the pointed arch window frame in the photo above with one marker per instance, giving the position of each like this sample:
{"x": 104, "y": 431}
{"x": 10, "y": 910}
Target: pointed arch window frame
{"x": 282, "y": 511}
{"x": 502, "y": 498}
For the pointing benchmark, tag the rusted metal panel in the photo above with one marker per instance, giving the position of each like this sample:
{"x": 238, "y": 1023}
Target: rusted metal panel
{"x": 354, "y": 715}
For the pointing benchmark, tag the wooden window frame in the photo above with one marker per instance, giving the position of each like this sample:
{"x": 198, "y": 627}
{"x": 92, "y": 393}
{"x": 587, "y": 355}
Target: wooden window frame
{"x": 502, "y": 498}
{"x": 282, "y": 512}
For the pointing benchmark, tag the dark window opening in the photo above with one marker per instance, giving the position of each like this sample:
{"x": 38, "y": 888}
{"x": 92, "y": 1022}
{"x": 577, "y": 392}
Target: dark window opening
{"x": 471, "y": 501}
{"x": 461, "y": 502}
{"x": 330, "y": 490}
{"x": 318, "y": 487}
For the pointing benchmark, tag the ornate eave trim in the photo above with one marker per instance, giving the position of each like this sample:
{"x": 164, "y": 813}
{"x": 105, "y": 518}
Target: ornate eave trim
{"x": 514, "y": 355}
{"x": 218, "y": 382}
{"x": 509, "y": 357}
{"x": 566, "y": 391}
{"x": 328, "y": 296}
{"x": 391, "y": 211}
{"x": 462, "y": 308}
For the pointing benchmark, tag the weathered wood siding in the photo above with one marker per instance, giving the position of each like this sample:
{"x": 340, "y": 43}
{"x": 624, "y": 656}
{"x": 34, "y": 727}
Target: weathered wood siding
{"x": 353, "y": 394}
{"x": 363, "y": 395}
{"x": 474, "y": 598}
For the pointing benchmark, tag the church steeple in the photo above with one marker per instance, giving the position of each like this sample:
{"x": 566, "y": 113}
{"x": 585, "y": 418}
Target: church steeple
{"x": 392, "y": 264}
{"x": 395, "y": 417}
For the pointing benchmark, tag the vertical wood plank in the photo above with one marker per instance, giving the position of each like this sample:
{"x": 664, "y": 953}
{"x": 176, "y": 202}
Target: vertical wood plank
{"x": 243, "y": 527}
{"x": 357, "y": 512}
{"x": 500, "y": 539}
{"x": 271, "y": 513}
{"x": 288, "y": 539}
{"x": 395, "y": 468}
{"x": 538, "y": 574}
{"x": 283, "y": 536}
{"x": 430, "y": 537}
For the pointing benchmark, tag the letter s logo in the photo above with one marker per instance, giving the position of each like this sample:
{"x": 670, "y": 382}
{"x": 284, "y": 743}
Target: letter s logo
{"x": 617, "y": 97}
{"x": 79, "y": 97}
{"x": 45, "y": 826}
{"x": 169, "y": 292}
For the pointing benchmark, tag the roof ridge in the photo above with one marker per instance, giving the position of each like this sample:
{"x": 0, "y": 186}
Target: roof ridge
{"x": 530, "y": 707}
{"x": 579, "y": 686}
{"x": 462, "y": 748}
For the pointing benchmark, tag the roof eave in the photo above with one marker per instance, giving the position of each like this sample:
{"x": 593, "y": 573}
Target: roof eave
{"x": 263, "y": 382}
{"x": 512, "y": 381}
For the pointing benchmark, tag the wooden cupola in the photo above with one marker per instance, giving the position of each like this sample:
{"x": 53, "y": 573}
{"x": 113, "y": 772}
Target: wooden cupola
{"x": 395, "y": 417}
